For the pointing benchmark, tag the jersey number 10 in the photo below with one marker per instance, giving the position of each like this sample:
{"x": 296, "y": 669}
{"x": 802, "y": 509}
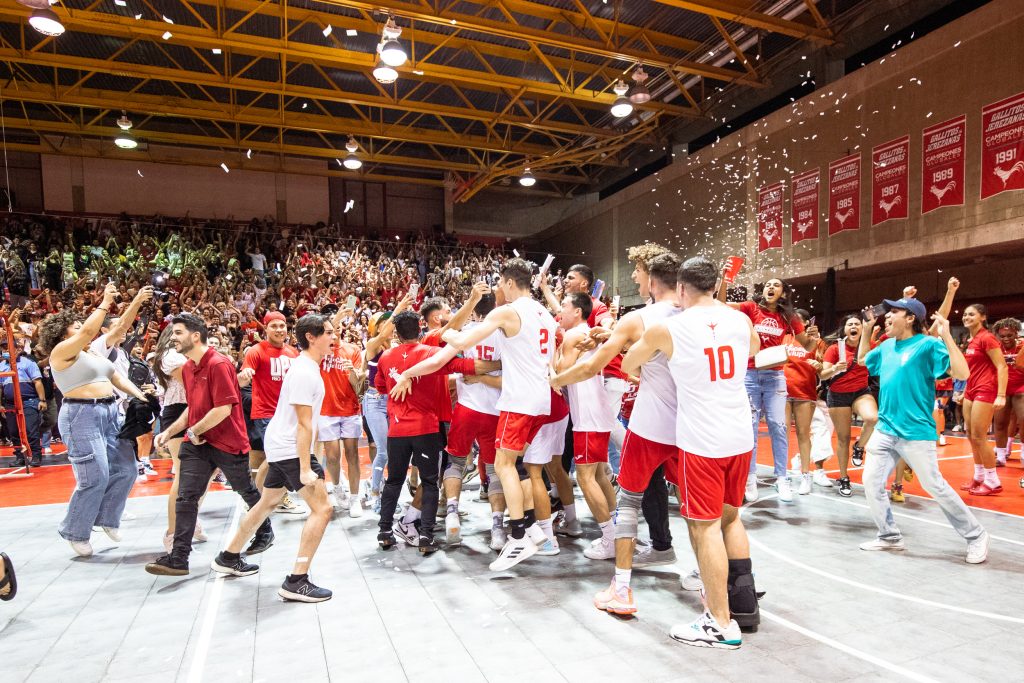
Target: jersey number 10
{"x": 721, "y": 365}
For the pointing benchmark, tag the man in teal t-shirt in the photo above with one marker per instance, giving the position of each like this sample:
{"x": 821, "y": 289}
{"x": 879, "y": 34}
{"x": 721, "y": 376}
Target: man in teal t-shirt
{"x": 907, "y": 365}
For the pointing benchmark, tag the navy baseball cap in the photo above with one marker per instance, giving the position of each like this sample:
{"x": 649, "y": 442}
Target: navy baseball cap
{"x": 908, "y": 304}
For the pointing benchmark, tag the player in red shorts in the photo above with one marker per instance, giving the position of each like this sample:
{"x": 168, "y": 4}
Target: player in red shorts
{"x": 1012, "y": 347}
{"x": 707, "y": 346}
{"x": 985, "y": 394}
{"x": 527, "y": 346}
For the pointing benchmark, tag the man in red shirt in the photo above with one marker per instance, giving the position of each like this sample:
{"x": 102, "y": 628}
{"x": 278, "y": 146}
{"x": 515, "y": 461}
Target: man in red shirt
{"x": 215, "y": 438}
{"x": 340, "y": 422}
{"x": 413, "y": 424}
{"x": 265, "y": 366}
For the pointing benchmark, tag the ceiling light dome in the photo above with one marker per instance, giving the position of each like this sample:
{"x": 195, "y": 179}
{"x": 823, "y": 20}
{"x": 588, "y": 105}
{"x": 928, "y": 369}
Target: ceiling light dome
{"x": 125, "y": 140}
{"x": 640, "y": 94}
{"x": 527, "y": 179}
{"x": 622, "y": 106}
{"x": 384, "y": 73}
{"x": 46, "y": 22}
{"x": 352, "y": 162}
{"x": 392, "y": 53}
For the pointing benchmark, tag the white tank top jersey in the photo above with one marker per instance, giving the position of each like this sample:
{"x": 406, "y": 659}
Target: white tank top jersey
{"x": 654, "y": 412}
{"x": 480, "y": 397}
{"x": 710, "y": 347}
{"x": 588, "y": 403}
{"x": 525, "y": 359}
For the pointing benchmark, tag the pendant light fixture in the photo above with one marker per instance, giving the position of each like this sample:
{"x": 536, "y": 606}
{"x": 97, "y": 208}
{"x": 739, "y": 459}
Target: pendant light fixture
{"x": 640, "y": 94}
{"x": 352, "y": 162}
{"x": 622, "y": 107}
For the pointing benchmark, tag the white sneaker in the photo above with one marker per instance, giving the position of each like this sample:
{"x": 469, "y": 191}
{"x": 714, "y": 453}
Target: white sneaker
{"x": 112, "y": 533}
{"x": 408, "y": 533}
{"x": 821, "y": 479}
{"x": 150, "y": 471}
{"x": 81, "y": 548}
{"x": 573, "y": 528}
{"x": 958, "y": 428}
{"x": 794, "y": 464}
{"x": 805, "y": 484}
{"x": 548, "y": 547}
{"x": 692, "y": 581}
{"x": 355, "y": 508}
{"x": 290, "y": 507}
{"x": 750, "y": 492}
{"x": 514, "y": 552}
{"x": 647, "y": 556}
{"x": 342, "y": 499}
{"x": 141, "y": 477}
{"x": 498, "y": 538}
{"x": 198, "y": 535}
{"x": 942, "y": 439}
{"x": 47, "y": 451}
{"x": 127, "y": 516}
{"x": 882, "y": 544}
{"x": 784, "y": 489}
{"x": 453, "y": 528}
{"x": 601, "y": 551}
{"x": 704, "y": 631}
{"x": 977, "y": 550}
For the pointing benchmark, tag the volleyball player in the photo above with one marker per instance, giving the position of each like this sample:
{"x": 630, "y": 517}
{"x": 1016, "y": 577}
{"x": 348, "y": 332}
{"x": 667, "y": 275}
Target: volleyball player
{"x": 705, "y": 346}
{"x": 1012, "y": 347}
{"x": 985, "y": 394}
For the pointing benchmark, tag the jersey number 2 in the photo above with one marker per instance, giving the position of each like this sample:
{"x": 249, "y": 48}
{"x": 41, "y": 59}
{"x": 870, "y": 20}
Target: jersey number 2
{"x": 544, "y": 341}
{"x": 721, "y": 364}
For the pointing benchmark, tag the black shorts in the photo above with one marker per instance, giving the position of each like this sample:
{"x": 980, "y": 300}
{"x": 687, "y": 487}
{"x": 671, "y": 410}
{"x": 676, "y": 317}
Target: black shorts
{"x": 256, "y": 430}
{"x": 171, "y": 413}
{"x": 845, "y": 399}
{"x": 284, "y": 474}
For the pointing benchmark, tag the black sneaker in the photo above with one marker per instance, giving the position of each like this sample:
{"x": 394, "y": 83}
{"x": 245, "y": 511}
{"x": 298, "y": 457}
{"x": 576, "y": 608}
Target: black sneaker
{"x": 263, "y": 540}
{"x": 303, "y": 590}
{"x": 844, "y": 487}
{"x": 858, "y": 455}
{"x": 429, "y": 545}
{"x": 18, "y": 462}
{"x": 237, "y": 567}
{"x": 37, "y": 462}
{"x": 165, "y": 565}
{"x": 386, "y": 540}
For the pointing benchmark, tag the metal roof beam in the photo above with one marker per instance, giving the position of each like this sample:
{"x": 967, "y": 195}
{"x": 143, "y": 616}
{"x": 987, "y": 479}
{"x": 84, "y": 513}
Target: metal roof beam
{"x": 742, "y": 14}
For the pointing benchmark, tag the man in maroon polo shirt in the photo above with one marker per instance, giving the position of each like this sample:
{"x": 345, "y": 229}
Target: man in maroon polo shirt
{"x": 215, "y": 438}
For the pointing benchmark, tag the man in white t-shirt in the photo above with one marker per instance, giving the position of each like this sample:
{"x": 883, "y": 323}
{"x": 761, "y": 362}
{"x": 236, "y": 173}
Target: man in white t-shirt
{"x": 288, "y": 445}
{"x": 707, "y": 346}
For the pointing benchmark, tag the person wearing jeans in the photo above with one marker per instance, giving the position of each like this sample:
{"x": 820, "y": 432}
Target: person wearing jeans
{"x": 33, "y": 400}
{"x": 908, "y": 363}
{"x": 375, "y": 412}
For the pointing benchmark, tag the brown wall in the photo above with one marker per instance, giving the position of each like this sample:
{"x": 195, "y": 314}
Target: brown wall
{"x": 706, "y": 204}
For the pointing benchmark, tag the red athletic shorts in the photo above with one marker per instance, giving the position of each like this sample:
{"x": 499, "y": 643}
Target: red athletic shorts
{"x": 640, "y": 458}
{"x": 707, "y": 484}
{"x": 981, "y": 394}
{"x": 590, "y": 447}
{"x": 468, "y": 426}
{"x": 515, "y": 430}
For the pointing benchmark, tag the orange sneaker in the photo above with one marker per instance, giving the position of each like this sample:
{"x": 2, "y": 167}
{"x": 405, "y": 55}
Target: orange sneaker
{"x": 610, "y": 600}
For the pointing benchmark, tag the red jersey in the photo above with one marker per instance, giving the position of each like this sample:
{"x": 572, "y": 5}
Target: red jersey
{"x": 210, "y": 384}
{"x": 270, "y": 364}
{"x": 340, "y": 399}
{"x": 801, "y": 376}
{"x": 855, "y": 378}
{"x": 1014, "y": 374}
{"x": 628, "y": 399}
{"x": 419, "y": 412}
{"x": 444, "y": 396}
{"x": 770, "y": 327}
{"x": 598, "y": 313}
{"x": 983, "y": 370}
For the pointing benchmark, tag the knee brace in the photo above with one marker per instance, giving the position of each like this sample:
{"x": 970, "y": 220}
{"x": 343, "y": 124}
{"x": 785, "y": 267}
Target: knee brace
{"x": 493, "y": 481}
{"x": 456, "y": 467}
{"x": 627, "y": 514}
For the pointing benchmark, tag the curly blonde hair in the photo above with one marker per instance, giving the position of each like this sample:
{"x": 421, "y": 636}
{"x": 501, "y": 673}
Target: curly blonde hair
{"x": 642, "y": 254}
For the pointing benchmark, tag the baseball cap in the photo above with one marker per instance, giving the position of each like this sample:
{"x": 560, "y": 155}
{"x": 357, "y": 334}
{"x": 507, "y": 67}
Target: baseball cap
{"x": 908, "y": 304}
{"x": 273, "y": 315}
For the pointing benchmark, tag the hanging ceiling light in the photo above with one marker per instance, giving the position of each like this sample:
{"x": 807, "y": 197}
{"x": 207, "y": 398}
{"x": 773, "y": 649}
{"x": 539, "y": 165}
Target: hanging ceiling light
{"x": 390, "y": 50}
{"x": 124, "y": 139}
{"x": 352, "y": 162}
{"x": 384, "y": 74}
{"x": 46, "y": 22}
{"x": 622, "y": 106}
{"x": 640, "y": 94}
{"x": 527, "y": 179}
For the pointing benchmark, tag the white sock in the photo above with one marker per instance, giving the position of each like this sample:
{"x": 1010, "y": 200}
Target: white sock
{"x": 545, "y": 525}
{"x": 607, "y": 532}
{"x": 979, "y": 472}
{"x": 553, "y": 493}
{"x": 622, "y": 577}
{"x": 497, "y": 519}
{"x": 570, "y": 512}
{"x": 1001, "y": 453}
{"x": 991, "y": 478}
{"x": 411, "y": 515}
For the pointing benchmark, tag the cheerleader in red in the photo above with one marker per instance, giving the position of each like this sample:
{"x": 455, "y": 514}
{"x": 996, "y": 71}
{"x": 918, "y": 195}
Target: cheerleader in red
{"x": 985, "y": 394}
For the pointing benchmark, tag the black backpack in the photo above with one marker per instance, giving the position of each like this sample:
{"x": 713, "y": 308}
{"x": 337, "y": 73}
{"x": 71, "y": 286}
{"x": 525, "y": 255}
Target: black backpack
{"x": 138, "y": 372}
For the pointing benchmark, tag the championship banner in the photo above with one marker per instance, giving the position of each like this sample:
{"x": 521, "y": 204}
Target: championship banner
{"x": 769, "y": 216}
{"x": 943, "y": 154}
{"x": 844, "y": 194}
{"x": 1002, "y": 146}
{"x": 803, "y": 206}
{"x": 890, "y": 180}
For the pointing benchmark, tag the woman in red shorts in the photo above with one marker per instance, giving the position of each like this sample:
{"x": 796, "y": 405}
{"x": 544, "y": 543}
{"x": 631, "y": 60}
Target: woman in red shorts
{"x": 1007, "y": 331}
{"x": 985, "y": 394}
{"x": 801, "y": 372}
{"x": 848, "y": 393}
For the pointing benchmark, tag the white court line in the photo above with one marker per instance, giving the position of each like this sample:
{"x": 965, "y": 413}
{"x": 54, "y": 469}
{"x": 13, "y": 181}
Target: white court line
{"x": 914, "y": 517}
{"x": 861, "y": 468}
{"x": 868, "y": 587}
{"x": 872, "y": 659}
{"x": 195, "y": 670}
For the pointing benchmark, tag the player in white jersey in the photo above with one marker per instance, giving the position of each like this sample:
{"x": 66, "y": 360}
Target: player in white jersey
{"x": 527, "y": 345}
{"x": 707, "y": 346}
{"x": 650, "y": 440}
{"x": 592, "y": 419}
{"x": 289, "y": 444}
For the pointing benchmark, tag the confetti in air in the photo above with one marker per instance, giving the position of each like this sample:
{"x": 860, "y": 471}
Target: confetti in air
{"x": 224, "y": 166}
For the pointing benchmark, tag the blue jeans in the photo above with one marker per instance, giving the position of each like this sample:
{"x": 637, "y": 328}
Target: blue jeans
{"x": 104, "y": 468}
{"x": 766, "y": 390}
{"x": 883, "y": 451}
{"x": 375, "y": 410}
{"x": 33, "y": 421}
